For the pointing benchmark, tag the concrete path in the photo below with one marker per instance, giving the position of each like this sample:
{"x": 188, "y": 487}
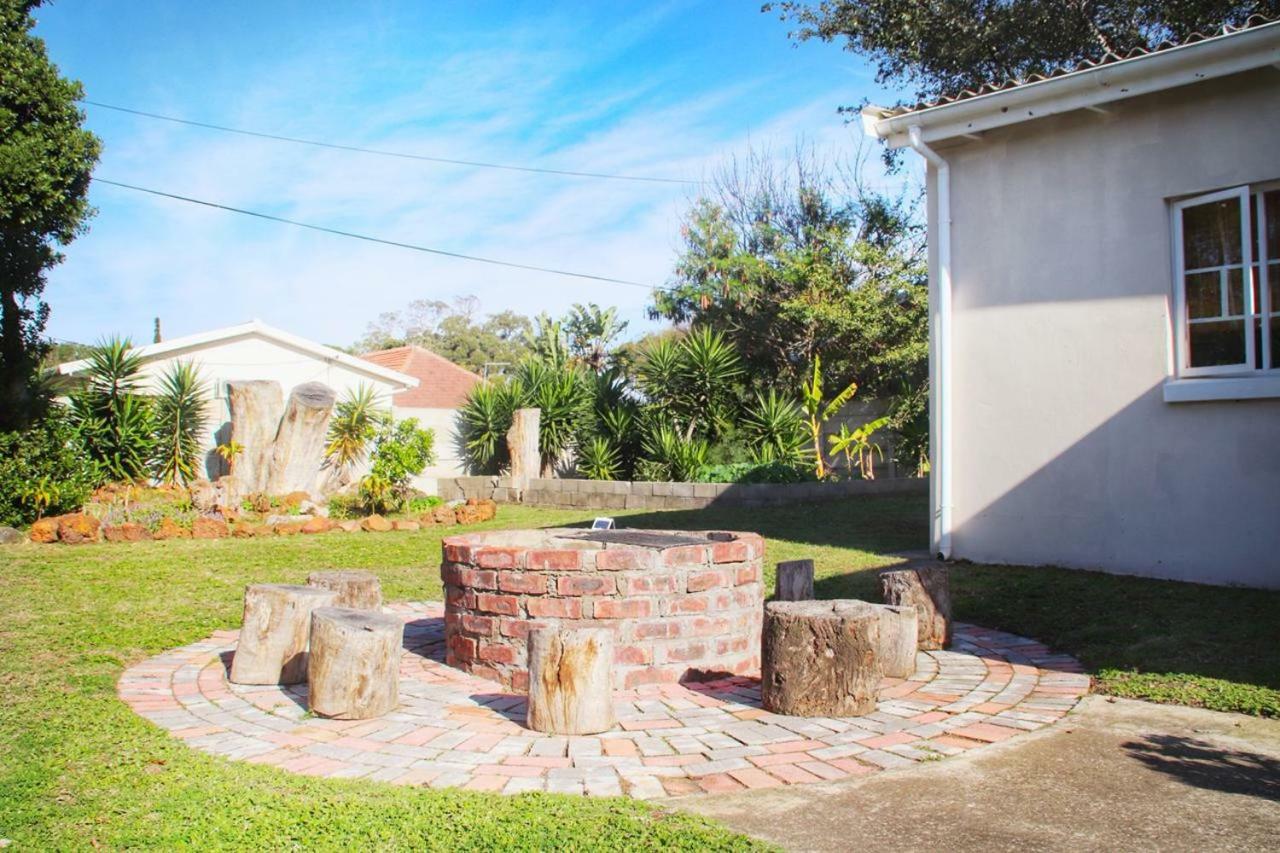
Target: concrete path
{"x": 1114, "y": 775}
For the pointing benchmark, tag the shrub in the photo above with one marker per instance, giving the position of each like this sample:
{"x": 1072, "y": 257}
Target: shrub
{"x": 774, "y": 430}
{"x": 400, "y": 452}
{"x": 180, "y": 421}
{"x": 485, "y": 418}
{"x": 599, "y": 460}
{"x": 355, "y": 424}
{"x": 44, "y": 470}
{"x": 116, "y": 425}
{"x": 757, "y": 472}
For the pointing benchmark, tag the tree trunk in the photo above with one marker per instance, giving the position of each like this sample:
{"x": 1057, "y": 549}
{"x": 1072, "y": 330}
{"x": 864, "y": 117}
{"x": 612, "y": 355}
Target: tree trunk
{"x": 273, "y": 639}
{"x": 569, "y": 683}
{"x": 898, "y": 639}
{"x": 820, "y": 658}
{"x": 298, "y": 451}
{"x": 256, "y": 407}
{"x": 355, "y": 663}
{"x": 522, "y": 443}
{"x": 356, "y": 590}
{"x": 928, "y": 590}
{"x": 794, "y": 581}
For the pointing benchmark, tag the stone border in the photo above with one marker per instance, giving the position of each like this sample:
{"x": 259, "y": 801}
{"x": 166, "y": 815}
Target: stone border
{"x": 456, "y": 730}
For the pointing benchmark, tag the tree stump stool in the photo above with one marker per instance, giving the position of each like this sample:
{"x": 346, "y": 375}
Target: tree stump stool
{"x": 273, "y": 638}
{"x": 899, "y": 636}
{"x": 355, "y": 663}
{"x": 794, "y": 581}
{"x": 820, "y": 658}
{"x": 569, "y": 680}
{"x": 356, "y": 590}
{"x": 928, "y": 590}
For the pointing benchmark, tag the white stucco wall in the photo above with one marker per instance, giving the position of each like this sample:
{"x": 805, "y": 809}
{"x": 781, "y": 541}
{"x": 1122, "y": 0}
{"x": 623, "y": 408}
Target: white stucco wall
{"x": 253, "y": 357}
{"x": 1065, "y": 452}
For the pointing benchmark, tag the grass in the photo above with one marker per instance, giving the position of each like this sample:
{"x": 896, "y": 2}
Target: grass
{"x": 77, "y": 768}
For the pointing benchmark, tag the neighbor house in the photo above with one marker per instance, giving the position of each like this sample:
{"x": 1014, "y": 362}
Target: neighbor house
{"x": 255, "y": 350}
{"x": 441, "y": 390}
{"x": 1104, "y": 256}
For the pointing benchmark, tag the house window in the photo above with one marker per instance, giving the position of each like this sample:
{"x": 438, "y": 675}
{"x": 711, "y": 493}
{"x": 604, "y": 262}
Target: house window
{"x": 1227, "y": 247}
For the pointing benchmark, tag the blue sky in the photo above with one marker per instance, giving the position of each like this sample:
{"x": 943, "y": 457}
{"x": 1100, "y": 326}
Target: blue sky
{"x": 660, "y": 89}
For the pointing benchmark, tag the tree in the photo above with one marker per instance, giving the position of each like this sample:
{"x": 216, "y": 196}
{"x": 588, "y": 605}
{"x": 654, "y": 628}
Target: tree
{"x": 46, "y": 158}
{"x": 451, "y": 331}
{"x": 947, "y": 46}
{"x": 591, "y": 331}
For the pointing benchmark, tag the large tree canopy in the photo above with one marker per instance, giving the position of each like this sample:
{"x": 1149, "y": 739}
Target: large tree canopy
{"x": 46, "y": 158}
{"x": 453, "y": 332}
{"x": 946, "y": 46}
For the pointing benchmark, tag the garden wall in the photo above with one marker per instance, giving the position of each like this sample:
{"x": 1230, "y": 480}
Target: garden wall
{"x": 598, "y": 494}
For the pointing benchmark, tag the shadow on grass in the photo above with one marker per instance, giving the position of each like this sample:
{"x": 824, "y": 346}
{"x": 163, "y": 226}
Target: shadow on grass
{"x": 1203, "y": 765}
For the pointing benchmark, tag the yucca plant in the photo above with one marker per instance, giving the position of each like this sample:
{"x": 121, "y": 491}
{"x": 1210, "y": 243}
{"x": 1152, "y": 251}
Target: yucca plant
{"x": 670, "y": 456}
{"x": 564, "y": 395}
{"x": 775, "y": 430}
{"x": 484, "y": 419}
{"x": 180, "y": 424}
{"x": 115, "y": 423}
{"x": 354, "y": 426}
{"x": 599, "y": 459}
{"x": 819, "y": 410}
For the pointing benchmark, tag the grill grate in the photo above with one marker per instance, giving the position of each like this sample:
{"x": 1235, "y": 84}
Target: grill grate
{"x": 640, "y": 538}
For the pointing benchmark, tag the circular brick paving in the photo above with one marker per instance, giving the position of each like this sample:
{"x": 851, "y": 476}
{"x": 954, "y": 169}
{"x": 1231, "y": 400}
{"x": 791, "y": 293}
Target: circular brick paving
{"x": 454, "y": 729}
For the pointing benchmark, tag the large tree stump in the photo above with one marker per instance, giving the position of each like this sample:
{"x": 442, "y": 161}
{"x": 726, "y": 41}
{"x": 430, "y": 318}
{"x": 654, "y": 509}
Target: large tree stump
{"x": 356, "y": 590}
{"x": 898, "y": 639}
{"x": 273, "y": 639}
{"x": 794, "y": 581}
{"x": 256, "y": 406}
{"x": 355, "y": 663}
{"x": 820, "y": 658}
{"x": 928, "y": 590}
{"x": 569, "y": 683}
{"x": 522, "y": 444}
{"x": 298, "y": 451}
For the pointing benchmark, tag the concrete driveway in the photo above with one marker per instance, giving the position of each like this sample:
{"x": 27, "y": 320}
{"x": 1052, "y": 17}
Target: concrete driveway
{"x": 1114, "y": 775}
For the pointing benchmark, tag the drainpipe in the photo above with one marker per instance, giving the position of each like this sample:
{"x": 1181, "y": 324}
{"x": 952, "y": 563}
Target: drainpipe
{"x": 940, "y": 378}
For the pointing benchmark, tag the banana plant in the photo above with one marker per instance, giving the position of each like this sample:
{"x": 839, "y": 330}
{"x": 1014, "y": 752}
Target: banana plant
{"x": 818, "y": 410}
{"x": 857, "y": 445}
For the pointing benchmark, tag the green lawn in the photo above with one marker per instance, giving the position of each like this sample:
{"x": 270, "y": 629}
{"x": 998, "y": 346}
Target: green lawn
{"x": 77, "y": 768}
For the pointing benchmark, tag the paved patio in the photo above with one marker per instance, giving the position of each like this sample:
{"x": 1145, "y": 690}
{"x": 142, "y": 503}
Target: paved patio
{"x": 456, "y": 730}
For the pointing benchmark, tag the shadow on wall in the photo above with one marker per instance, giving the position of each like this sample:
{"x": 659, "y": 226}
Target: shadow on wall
{"x": 1179, "y": 491}
{"x": 1204, "y": 765}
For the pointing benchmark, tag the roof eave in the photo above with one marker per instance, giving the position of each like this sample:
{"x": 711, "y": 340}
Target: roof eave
{"x": 1233, "y": 53}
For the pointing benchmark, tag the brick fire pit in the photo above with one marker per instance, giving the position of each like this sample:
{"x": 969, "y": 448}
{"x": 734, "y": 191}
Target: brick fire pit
{"x": 684, "y": 606}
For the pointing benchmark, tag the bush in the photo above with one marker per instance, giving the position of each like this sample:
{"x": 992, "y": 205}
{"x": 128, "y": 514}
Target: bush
{"x": 400, "y": 452}
{"x": 757, "y": 472}
{"x": 44, "y": 470}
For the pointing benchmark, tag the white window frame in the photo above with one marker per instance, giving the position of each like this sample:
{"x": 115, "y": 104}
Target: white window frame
{"x": 1182, "y": 346}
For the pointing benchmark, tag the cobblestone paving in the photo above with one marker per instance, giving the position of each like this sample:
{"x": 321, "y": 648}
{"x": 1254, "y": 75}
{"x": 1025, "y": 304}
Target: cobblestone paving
{"x": 455, "y": 730}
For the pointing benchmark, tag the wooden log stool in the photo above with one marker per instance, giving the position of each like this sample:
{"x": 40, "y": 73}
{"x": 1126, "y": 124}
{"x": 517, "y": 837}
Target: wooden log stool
{"x": 899, "y": 636}
{"x": 794, "y": 581}
{"x": 355, "y": 663}
{"x": 569, "y": 683}
{"x": 820, "y": 658}
{"x": 928, "y": 590}
{"x": 273, "y": 638}
{"x": 356, "y": 590}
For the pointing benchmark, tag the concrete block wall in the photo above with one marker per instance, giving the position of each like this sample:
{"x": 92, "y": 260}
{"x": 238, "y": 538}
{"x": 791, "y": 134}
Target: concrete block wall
{"x": 621, "y": 494}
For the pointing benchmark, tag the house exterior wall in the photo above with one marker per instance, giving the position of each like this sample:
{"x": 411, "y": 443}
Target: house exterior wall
{"x": 253, "y": 357}
{"x": 1065, "y": 452}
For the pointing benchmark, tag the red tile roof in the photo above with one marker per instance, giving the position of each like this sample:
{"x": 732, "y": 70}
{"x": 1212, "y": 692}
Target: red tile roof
{"x": 1252, "y": 22}
{"x": 441, "y": 383}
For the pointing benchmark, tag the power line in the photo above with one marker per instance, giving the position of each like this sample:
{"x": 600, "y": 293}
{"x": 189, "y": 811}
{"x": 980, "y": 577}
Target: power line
{"x": 384, "y": 153}
{"x": 369, "y": 239}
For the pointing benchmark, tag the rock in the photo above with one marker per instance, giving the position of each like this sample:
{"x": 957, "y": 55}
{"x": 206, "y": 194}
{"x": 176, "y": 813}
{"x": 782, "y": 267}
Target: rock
{"x": 282, "y": 518}
{"x": 261, "y": 503}
{"x": 488, "y": 510}
{"x": 288, "y": 529}
{"x": 350, "y": 526}
{"x": 207, "y": 496}
{"x": 229, "y": 513}
{"x": 444, "y": 515}
{"x": 44, "y": 530}
{"x": 313, "y": 508}
{"x": 427, "y": 519}
{"x": 467, "y": 514}
{"x": 295, "y": 500}
{"x": 130, "y": 531}
{"x": 376, "y": 524}
{"x": 209, "y": 528}
{"x": 170, "y": 529}
{"x": 9, "y": 536}
{"x": 77, "y": 528}
{"x": 317, "y": 525}
{"x": 245, "y": 529}
{"x": 404, "y": 524}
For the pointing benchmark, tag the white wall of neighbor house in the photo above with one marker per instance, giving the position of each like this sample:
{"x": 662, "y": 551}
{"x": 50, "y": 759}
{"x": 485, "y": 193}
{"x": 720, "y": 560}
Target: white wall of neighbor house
{"x": 1066, "y": 452}
{"x": 256, "y": 358}
{"x": 450, "y": 461}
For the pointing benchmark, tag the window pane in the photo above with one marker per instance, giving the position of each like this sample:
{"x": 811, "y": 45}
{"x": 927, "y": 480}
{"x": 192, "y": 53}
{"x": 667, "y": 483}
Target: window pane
{"x": 1211, "y": 234}
{"x": 1275, "y": 342}
{"x": 1203, "y": 297}
{"x": 1216, "y": 343}
{"x": 1235, "y": 292}
{"x": 1272, "y": 202}
{"x": 1273, "y": 287}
